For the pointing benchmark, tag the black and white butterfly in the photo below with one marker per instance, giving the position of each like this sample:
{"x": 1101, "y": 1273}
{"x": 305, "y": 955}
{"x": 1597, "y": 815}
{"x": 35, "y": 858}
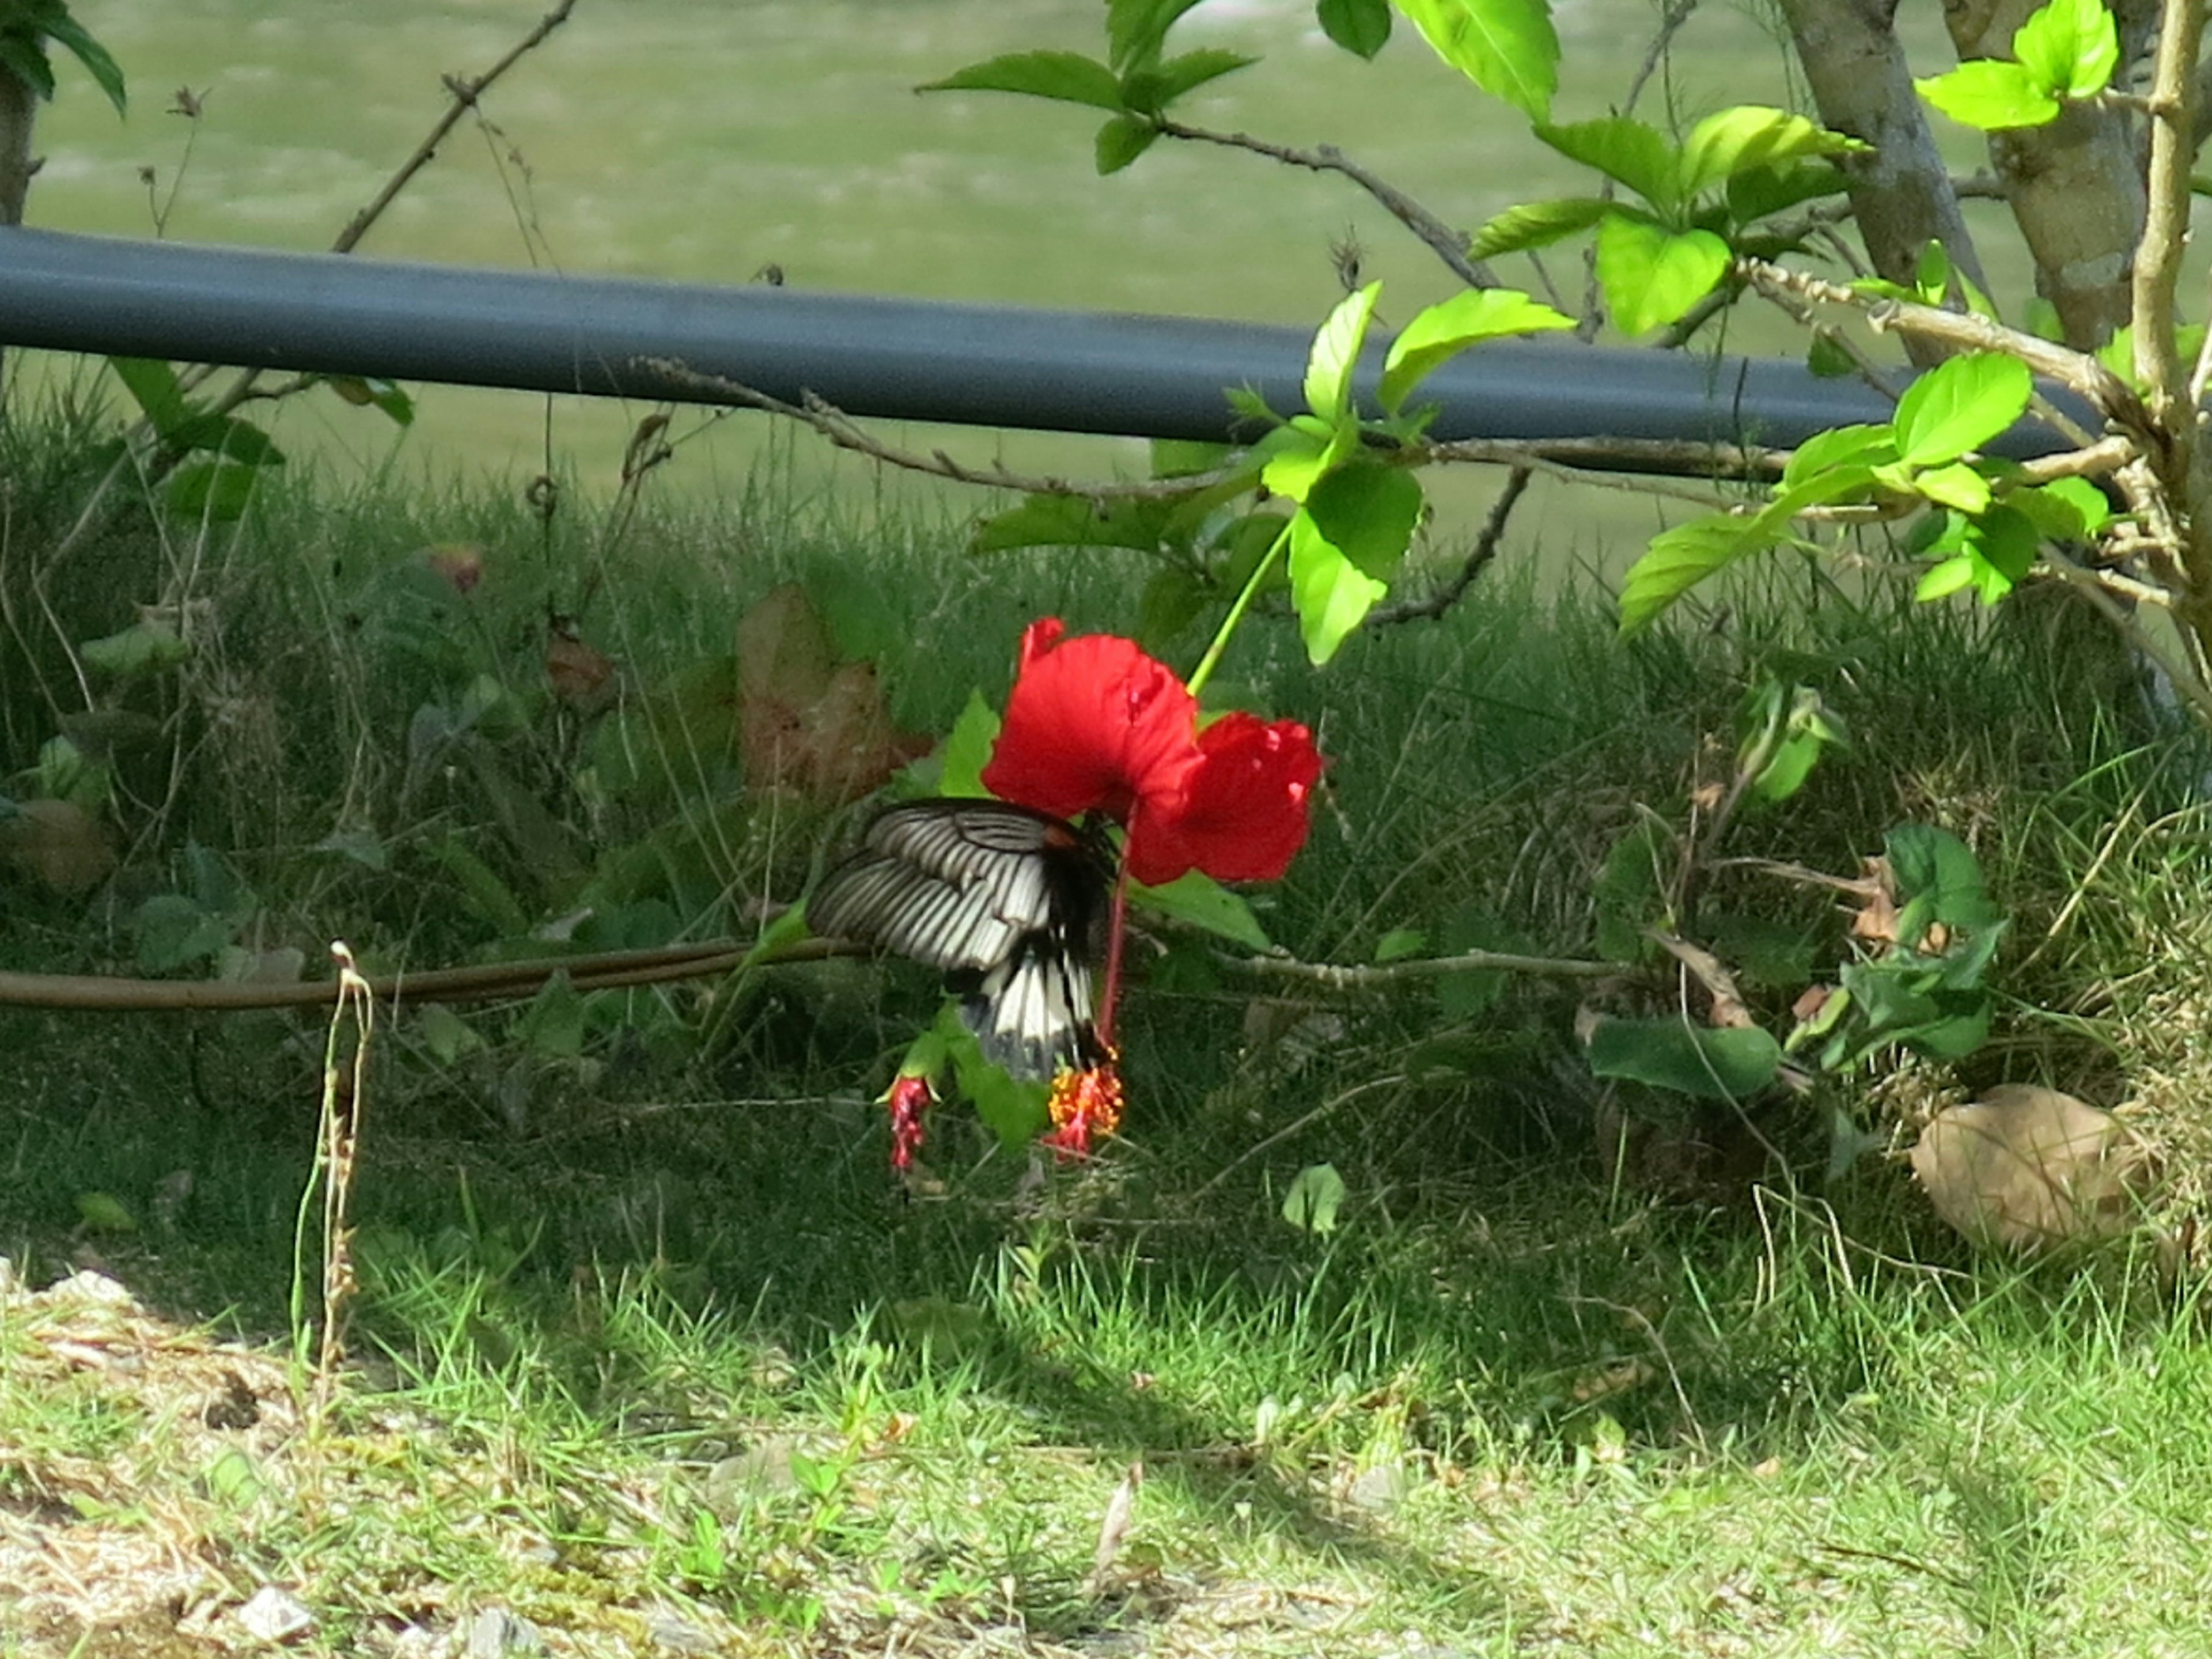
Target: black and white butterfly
{"x": 1010, "y": 903}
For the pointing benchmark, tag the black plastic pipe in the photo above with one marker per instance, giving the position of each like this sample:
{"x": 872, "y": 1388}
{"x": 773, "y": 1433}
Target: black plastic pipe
{"x": 1058, "y": 371}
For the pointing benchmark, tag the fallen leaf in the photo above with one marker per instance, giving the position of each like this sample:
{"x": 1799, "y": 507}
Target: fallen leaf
{"x": 59, "y": 842}
{"x": 2026, "y": 1168}
{"x": 580, "y": 676}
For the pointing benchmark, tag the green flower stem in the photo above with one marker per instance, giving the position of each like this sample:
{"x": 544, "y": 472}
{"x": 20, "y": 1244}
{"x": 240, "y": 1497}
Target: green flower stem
{"x": 1204, "y": 671}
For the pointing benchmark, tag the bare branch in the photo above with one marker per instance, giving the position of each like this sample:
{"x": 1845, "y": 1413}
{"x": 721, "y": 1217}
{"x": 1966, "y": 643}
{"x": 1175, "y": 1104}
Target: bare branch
{"x": 1447, "y": 244}
{"x": 2165, "y": 224}
{"x": 1484, "y": 550}
{"x": 1358, "y": 976}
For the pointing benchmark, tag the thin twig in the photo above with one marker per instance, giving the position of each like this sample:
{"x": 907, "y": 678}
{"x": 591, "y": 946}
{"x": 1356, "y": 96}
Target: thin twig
{"x": 1484, "y": 550}
{"x": 1448, "y": 245}
{"x": 839, "y": 428}
{"x": 1588, "y": 460}
{"x": 1348, "y": 977}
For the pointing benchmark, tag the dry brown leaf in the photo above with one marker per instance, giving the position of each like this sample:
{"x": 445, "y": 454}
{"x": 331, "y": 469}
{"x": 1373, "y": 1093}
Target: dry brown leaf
{"x": 580, "y": 676}
{"x": 2026, "y": 1168}
{"x": 805, "y": 721}
{"x": 1875, "y": 919}
{"x": 59, "y": 842}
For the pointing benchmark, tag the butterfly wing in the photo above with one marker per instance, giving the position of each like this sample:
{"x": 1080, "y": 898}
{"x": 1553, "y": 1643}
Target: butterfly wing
{"x": 1009, "y": 902}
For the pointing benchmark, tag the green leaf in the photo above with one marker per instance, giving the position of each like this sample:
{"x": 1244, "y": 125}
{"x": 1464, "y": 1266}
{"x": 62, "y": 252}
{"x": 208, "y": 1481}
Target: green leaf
{"x": 1630, "y": 893}
{"x": 1729, "y": 1063}
{"x": 145, "y": 647}
{"x": 1368, "y": 514}
{"x": 1992, "y": 95}
{"x": 1626, "y": 150}
{"x": 1733, "y": 141}
{"x": 1360, "y": 27}
{"x": 225, "y": 436}
{"x": 1136, "y": 29}
{"x": 1958, "y": 406}
{"x": 1839, "y": 446}
{"x": 1015, "y": 1109}
{"x": 104, "y": 1213}
{"x": 968, "y": 748}
{"x": 445, "y": 1034}
{"x": 1442, "y": 331}
{"x": 1945, "y": 579}
{"x": 1332, "y": 595}
{"x": 215, "y": 491}
{"x": 2065, "y": 509}
{"x": 25, "y": 57}
{"x": 153, "y": 386}
{"x": 1121, "y": 141}
{"x": 1954, "y": 485}
{"x": 1537, "y": 224}
{"x": 1940, "y": 880}
{"x": 1152, "y": 90}
{"x": 363, "y": 392}
{"x": 1472, "y": 927}
{"x": 1315, "y": 1196}
{"x": 1174, "y": 597}
{"x": 552, "y": 1026}
{"x": 1336, "y": 351}
{"x": 1301, "y": 459}
{"x": 1653, "y": 275}
{"x": 1769, "y": 955}
{"x": 1755, "y": 192}
{"x": 174, "y": 931}
{"x": 2069, "y": 47}
{"x": 1073, "y": 521}
{"x": 58, "y": 25}
{"x": 1069, "y": 77}
{"x": 1196, "y": 898}
{"x": 483, "y": 894}
{"x": 1507, "y": 47}
{"x": 1400, "y": 943}
{"x": 1179, "y": 458}
{"x": 1679, "y": 559}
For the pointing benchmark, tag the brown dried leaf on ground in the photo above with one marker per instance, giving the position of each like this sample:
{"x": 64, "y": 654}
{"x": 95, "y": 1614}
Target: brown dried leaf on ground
{"x": 806, "y": 721}
{"x": 2026, "y": 1168}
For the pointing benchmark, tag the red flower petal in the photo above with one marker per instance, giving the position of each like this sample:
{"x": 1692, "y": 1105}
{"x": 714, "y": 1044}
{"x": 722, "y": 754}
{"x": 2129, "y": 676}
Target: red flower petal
{"x": 1245, "y": 808}
{"x": 1093, "y": 723}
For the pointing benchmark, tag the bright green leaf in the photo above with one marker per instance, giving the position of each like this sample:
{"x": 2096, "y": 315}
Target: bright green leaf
{"x": 1069, "y": 77}
{"x": 1954, "y": 485}
{"x": 1442, "y": 331}
{"x": 1360, "y": 27}
{"x": 1945, "y": 579}
{"x": 1300, "y": 461}
{"x": 1626, "y": 150}
{"x": 1680, "y": 558}
{"x": 1332, "y": 595}
{"x": 968, "y": 748}
{"x": 1400, "y": 943}
{"x": 1336, "y": 351}
{"x": 1733, "y": 141}
{"x": 1316, "y": 1194}
{"x": 1839, "y": 446}
{"x": 1507, "y": 47}
{"x": 2065, "y": 509}
{"x": 1121, "y": 141}
{"x": 1652, "y": 274}
{"x": 104, "y": 1213}
{"x": 2069, "y": 47}
{"x": 1729, "y": 1063}
{"x": 1960, "y": 404}
{"x": 1537, "y": 224}
{"x": 1989, "y": 94}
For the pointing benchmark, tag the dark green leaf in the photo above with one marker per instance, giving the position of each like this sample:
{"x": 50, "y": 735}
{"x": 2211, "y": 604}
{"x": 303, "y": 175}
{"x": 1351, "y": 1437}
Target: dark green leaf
{"x": 1507, "y": 47}
{"x": 59, "y": 26}
{"x": 1758, "y": 191}
{"x": 1360, "y": 27}
{"x": 1937, "y": 871}
{"x": 145, "y": 647}
{"x": 27, "y": 59}
{"x": 1368, "y": 512}
{"x": 225, "y": 436}
{"x": 552, "y": 1026}
{"x": 1152, "y": 90}
{"x": 1073, "y": 521}
{"x": 1537, "y": 224}
{"x": 1765, "y": 954}
{"x": 1626, "y": 150}
{"x": 1630, "y": 891}
{"x": 1474, "y": 927}
{"x": 1136, "y": 29}
{"x": 1174, "y": 597}
{"x": 1069, "y": 77}
{"x": 1121, "y": 141}
{"x": 362, "y": 391}
{"x": 153, "y": 386}
{"x": 173, "y": 932}
{"x": 1732, "y": 1063}
{"x": 1196, "y": 898}
{"x": 215, "y": 491}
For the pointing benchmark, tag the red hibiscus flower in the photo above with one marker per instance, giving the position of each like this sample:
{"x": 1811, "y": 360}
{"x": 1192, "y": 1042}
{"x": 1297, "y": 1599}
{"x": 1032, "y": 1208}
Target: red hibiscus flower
{"x": 1095, "y": 725}
{"x": 908, "y": 1098}
{"x": 1083, "y": 1103}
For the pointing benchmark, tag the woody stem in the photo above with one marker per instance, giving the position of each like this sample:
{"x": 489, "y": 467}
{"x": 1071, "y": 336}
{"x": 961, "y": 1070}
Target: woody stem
{"x": 1204, "y": 671}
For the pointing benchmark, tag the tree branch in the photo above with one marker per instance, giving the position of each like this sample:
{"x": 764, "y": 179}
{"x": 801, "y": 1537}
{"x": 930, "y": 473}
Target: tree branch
{"x": 1484, "y": 550}
{"x": 1447, "y": 244}
{"x": 2165, "y": 224}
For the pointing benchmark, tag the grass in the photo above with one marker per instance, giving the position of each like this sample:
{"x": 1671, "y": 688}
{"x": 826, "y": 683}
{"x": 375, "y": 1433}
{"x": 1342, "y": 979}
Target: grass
{"x": 652, "y": 1353}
